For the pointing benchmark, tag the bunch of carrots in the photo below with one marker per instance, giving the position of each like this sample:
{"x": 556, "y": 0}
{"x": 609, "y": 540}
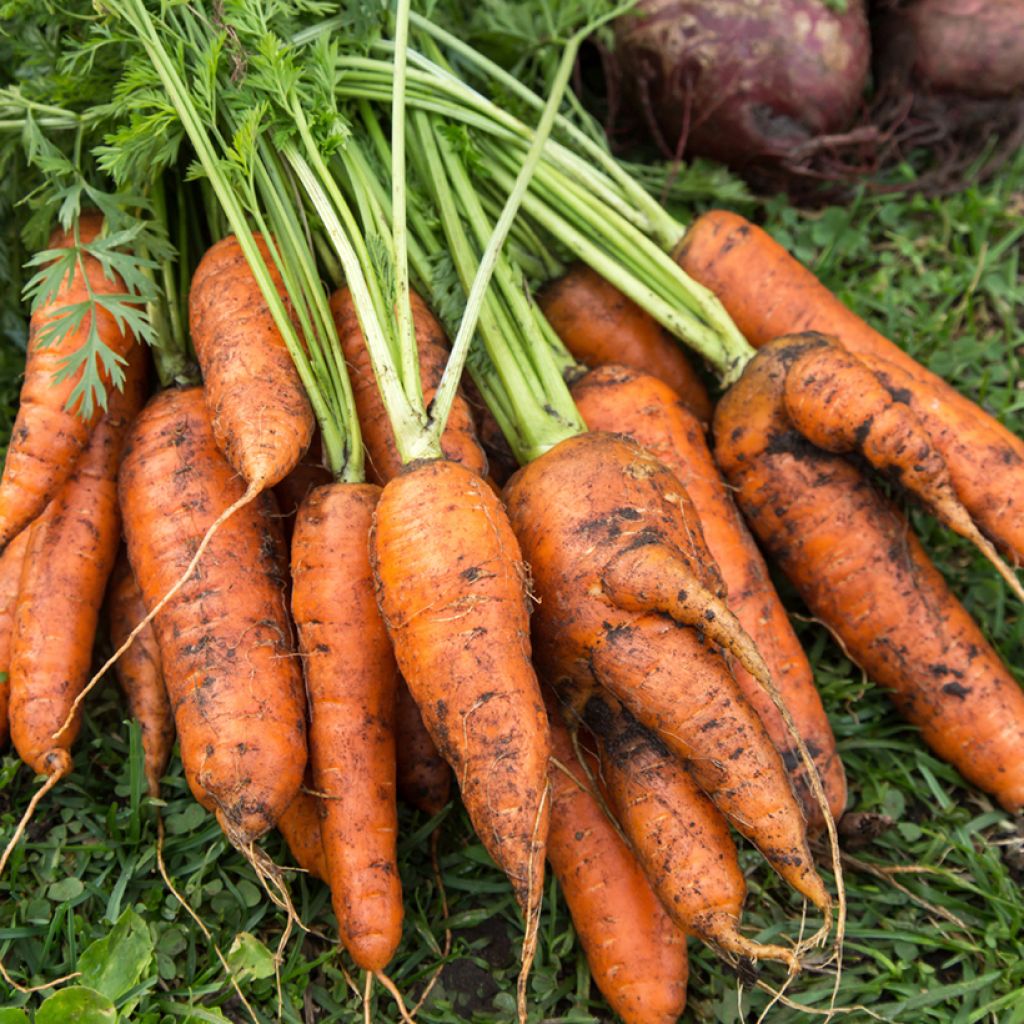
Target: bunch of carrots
{"x": 331, "y": 592}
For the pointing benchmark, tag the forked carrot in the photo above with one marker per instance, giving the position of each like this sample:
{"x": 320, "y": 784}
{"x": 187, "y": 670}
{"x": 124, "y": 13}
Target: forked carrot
{"x": 862, "y": 571}
{"x": 770, "y": 294}
{"x": 652, "y": 415}
{"x": 618, "y": 570}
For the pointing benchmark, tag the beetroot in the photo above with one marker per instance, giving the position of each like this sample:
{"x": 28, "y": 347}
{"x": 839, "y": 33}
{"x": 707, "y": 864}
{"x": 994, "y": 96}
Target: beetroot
{"x": 742, "y": 81}
{"x": 971, "y": 47}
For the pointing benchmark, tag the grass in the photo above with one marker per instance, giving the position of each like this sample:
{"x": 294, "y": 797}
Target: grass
{"x": 936, "y": 912}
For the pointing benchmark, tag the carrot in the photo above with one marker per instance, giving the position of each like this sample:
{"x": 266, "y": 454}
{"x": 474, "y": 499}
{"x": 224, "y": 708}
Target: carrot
{"x": 769, "y": 294}
{"x": 423, "y": 776}
{"x": 458, "y": 442}
{"x": 862, "y": 572}
{"x": 262, "y": 420}
{"x": 677, "y": 835}
{"x": 69, "y": 557}
{"x": 451, "y": 586}
{"x": 351, "y": 679}
{"x": 652, "y": 415}
{"x": 840, "y": 404}
{"x": 11, "y": 562}
{"x": 618, "y": 569}
{"x": 636, "y": 954}
{"x": 48, "y": 438}
{"x": 301, "y": 826}
{"x": 292, "y": 490}
{"x": 225, "y": 638}
{"x": 140, "y": 672}
{"x": 599, "y": 325}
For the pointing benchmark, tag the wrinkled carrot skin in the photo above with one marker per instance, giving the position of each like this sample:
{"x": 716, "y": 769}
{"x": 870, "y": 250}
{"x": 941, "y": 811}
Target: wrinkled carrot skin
{"x": 140, "y": 672}
{"x": 769, "y": 294}
{"x": 458, "y": 442}
{"x": 597, "y": 562}
{"x": 301, "y": 827}
{"x": 637, "y": 956}
{"x": 232, "y": 677}
{"x": 451, "y": 586}
{"x": 679, "y": 838}
{"x": 47, "y": 439}
{"x": 653, "y": 416}
{"x": 11, "y": 562}
{"x": 262, "y": 419}
{"x": 861, "y": 571}
{"x": 424, "y": 778}
{"x": 351, "y": 678}
{"x": 599, "y": 325}
{"x": 70, "y": 555}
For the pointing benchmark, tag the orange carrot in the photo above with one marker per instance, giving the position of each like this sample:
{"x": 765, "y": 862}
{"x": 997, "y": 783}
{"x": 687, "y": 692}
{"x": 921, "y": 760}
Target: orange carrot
{"x": 262, "y": 420}
{"x": 292, "y": 490}
{"x": 225, "y": 637}
{"x": 68, "y": 560}
{"x": 619, "y": 569}
{"x": 423, "y": 776}
{"x": 861, "y": 571}
{"x": 47, "y": 438}
{"x": 650, "y": 413}
{"x": 140, "y": 672}
{"x": 11, "y": 562}
{"x": 301, "y": 826}
{"x": 677, "y": 835}
{"x": 351, "y": 679}
{"x": 458, "y": 441}
{"x": 599, "y": 325}
{"x": 769, "y": 294}
{"x": 636, "y": 954}
{"x": 451, "y": 586}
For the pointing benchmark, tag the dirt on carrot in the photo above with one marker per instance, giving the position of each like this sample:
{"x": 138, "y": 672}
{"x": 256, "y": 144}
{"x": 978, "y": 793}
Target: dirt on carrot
{"x": 629, "y": 599}
{"x": 648, "y": 411}
{"x": 855, "y": 561}
{"x": 770, "y": 294}
{"x": 232, "y": 677}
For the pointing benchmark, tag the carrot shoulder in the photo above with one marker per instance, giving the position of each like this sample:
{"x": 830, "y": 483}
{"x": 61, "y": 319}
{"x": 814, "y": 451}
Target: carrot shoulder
{"x": 262, "y": 419}
{"x": 652, "y": 415}
{"x": 861, "y": 570}
{"x": 637, "y": 955}
{"x": 599, "y": 325}
{"x": 225, "y": 637}
{"x": 140, "y": 672}
{"x": 770, "y": 294}
{"x": 70, "y": 554}
{"x": 351, "y": 679}
{"x": 47, "y": 439}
